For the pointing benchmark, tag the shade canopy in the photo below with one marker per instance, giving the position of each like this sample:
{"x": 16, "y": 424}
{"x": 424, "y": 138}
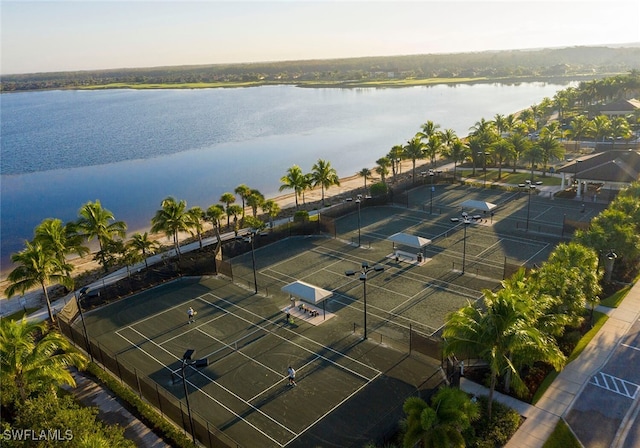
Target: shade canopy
{"x": 305, "y": 291}
{"x": 478, "y": 205}
{"x": 409, "y": 240}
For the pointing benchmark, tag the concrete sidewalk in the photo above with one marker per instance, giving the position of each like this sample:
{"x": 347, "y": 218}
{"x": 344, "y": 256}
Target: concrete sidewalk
{"x": 542, "y": 417}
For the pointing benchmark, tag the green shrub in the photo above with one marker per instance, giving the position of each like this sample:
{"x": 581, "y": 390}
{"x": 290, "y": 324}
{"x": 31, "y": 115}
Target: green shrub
{"x": 497, "y": 431}
{"x": 301, "y": 216}
{"x": 379, "y": 189}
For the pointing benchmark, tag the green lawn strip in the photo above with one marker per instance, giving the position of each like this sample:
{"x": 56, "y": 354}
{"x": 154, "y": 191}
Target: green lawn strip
{"x": 18, "y": 314}
{"x": 614, "y": 299}
{"x": 509, "y": 177}
{"x": 562, "y": 437}
{"x": 599, "y": 320}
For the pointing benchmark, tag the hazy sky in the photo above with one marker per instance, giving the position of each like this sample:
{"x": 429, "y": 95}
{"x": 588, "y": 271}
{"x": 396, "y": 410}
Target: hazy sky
{"x": 49, "y": 36}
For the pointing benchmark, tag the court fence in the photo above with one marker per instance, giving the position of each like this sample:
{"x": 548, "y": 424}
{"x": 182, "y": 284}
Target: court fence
{"x": 150, "y": 391}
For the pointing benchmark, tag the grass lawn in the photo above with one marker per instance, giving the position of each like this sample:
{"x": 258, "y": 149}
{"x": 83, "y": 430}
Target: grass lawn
{"x": 508, "y": 177}
{"x": 18, "y": 314}
{"x": 562, "y": 437}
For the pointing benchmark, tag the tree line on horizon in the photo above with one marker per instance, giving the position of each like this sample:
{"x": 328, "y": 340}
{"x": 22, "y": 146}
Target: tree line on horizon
{"x": 507, "y": 64}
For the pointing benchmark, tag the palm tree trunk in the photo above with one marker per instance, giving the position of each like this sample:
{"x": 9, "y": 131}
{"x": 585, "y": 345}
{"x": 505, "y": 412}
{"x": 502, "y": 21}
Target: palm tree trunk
{"x": 492, "y": 388}
{"x": 46, "y": 298}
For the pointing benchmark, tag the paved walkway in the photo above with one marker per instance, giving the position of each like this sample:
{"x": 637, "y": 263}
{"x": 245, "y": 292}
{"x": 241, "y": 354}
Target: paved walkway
{"x": 559, "y": 398}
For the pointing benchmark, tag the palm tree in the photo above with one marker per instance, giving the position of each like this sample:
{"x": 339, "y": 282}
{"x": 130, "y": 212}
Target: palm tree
{"x": 37, "y": 266}
{"x": 234, "y": 210}
{"x": 501, "y": 150}
{"x": 551, "y": 148}
{"x": 433, "y": 147}
{"x": 171, "y": 219}
{"x": 97, "y": 222}
{"x": 382, "y": 168}
{"x": 195, "y": 217}
{"x": 254, "y": 200}
{"x": 414, "y": 150}
{"x": 502, "y": 330}
{"x": 395, "y": 155}
{"x": 61, "y": 239}
{"x": 227, "y": 199}
{"x": 620, "y": 129}
{"x": 365, "y": 173}
{"x": 534, "y": 155}
{"x": 601, "y": 127}
{"x": 458, "y": 151}
{"x": 33, "y": 363}
{"x": 324, "y": 175}
{"x": 243, "y": 191}
{"x": 520, "y": 144}
{"x": 307, "y": 184}
{"x": 271, "y": 208}
{"x": 141, "y": 243}
{"x": 441, "y": 424}
{"x": 293, "y": 180}
{"x": 429, "y": 129}
{"x": 214, "y": 214}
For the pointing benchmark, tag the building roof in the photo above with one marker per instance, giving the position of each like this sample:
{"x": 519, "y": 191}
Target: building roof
{"x": 608, "y": 166}
{"x": 409, "y": 240}
{"x": 621, "y": 106}
{"x": 305, "y": 291}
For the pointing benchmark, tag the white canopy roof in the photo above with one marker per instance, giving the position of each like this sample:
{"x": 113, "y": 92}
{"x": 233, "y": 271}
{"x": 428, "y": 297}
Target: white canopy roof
{"x": 409, "y": 240}
{"x": 305, "y": 291}
{"x": 478, "y": 205}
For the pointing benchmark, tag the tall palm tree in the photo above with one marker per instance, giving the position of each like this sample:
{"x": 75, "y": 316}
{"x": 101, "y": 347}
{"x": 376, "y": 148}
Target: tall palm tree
{"x": 395, "y": 155}
{"x": 580, "y": 128}
{"x": 501, "y": 150}
{"x": 243, "y": 191}
{"x": 271, "y": 208}
{"x": 324, "y": 175}
{"x": 458, "y": 151}
{"x": 601, "y": 127}
{"x": 99, "y": 223}
{"x": 307, "y": 185}
{"x": 195, "y": 218}
{"x": 32, "y": 363}
{"x": 414, "y": 150}
{"x": 441, "y": 424}
{"x": 145, "y": 246}
{"x": 551, "y": 148}
{"x": 382, "y": 168}
{"x": 172, "y": 219}
{"x": 254, "y": 200}
{"x": 234, "y": 210}
{"x": 520, "y": 144}
{"x": 428, "y": 130}
{"x": 37, "y": 266}
{"x": 227, "y": 199}
{"x": 293, "y": 180}
{"x": 620, "y": 129}
{"x": 534, "y": 155}
{"x": 61, "y": 239}
{"x": 433, "y": 147}
{"x": 499, "y": 332}
{"x": 365, "y": 173}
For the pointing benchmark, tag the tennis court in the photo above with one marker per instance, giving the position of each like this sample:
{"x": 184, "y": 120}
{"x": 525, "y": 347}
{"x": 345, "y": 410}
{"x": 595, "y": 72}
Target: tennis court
{"x": 244, "y": 391}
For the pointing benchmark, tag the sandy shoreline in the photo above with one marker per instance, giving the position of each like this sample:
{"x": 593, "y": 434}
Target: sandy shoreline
{"x": 285, "y": 201}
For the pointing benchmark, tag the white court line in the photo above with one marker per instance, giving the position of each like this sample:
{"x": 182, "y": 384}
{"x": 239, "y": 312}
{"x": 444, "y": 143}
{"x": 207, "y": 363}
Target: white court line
{"x": 291, "y": 342}
{"x": 224, "y": 389}
{"x": 542, "y": 213}
{"x": 631, "y": 347}
{"x": 534, "y": 255}
{"x": 489, "y": 248}
{"x": 194, "y": 328}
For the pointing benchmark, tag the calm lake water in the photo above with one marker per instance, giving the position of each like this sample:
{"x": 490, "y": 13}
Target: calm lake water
{"x": 131, "y": 149}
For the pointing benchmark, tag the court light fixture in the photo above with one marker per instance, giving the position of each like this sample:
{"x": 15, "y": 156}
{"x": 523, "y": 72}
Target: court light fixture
{"x": 365, "y": 270}
{"x": 188, "y": 361}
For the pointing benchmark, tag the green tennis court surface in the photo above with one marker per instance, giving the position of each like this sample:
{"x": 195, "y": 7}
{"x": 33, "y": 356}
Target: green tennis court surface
{"x": 243, "y": 390}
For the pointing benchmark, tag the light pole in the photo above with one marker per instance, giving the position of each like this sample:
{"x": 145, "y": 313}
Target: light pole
{"x": 252, "y": 236}
{"x": 575, "y": 178}
{"x": 465, "y": 222}
{"x": 83, "y": 292}
{"x": 610, "y": 259}
{"x": 431, "y": 174}
{"x": 484, "y": 166}
{"x": 531, "y": 187}
{"x": 358, "y": 201}
{"x": 365, "y": 269}
{"x": 186, "y": 361}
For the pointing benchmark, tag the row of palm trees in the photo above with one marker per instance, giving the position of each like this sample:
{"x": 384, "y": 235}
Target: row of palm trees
{"x": 520, "y": 324}
{"x": 322, "y": 174}
{"x": 531, "y": 135}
